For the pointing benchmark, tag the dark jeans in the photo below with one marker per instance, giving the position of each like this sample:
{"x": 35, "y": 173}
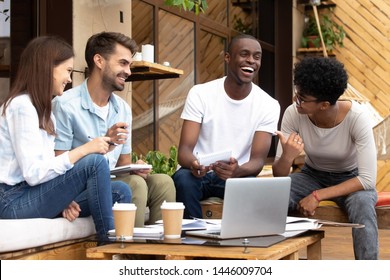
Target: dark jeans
{"x": 191, "y": 190}
{"x": 360, "y": 206}
{"x": 88, "y": 183}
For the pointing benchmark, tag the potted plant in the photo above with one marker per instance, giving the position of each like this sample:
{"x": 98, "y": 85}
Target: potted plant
{"x": 160, "y": 162}
{"x": 332, "y": 33}
{"x": 188, "y": 5}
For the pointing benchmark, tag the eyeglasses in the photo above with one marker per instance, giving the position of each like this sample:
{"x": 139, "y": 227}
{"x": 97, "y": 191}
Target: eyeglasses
{"x": 299, "y": 100}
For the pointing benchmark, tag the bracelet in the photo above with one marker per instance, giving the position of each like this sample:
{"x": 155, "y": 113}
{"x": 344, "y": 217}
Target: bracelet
{"x": 315, "y": 195}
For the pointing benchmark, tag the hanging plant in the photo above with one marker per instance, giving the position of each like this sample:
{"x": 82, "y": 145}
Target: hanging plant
{"x": 188, "y": 5}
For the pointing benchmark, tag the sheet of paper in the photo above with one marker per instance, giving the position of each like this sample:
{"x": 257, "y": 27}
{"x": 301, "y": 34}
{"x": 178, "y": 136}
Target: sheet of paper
{"x": 298, "y": 224}
{"x": 131, "y": 167}
{"x": 145, "y": 232}
{"x": 208, "y": 159}
{"x": 195, "y": 224}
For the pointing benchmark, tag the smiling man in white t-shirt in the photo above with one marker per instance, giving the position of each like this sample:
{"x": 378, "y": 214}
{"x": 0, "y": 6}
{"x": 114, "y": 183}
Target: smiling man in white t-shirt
{"x": 230, "y": 113}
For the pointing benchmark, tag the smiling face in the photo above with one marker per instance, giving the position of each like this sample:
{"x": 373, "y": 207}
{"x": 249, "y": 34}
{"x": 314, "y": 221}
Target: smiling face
{"x": 117, "y": 68}
{"x": 244, "y": 60}
{"x": 61, "y": 76}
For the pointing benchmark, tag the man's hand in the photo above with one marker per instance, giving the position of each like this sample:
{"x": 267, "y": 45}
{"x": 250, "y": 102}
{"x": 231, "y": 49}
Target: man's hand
{"x": 225, "y": 170}
{"x": 118, "y": 133}
{"x": 198, "y": 170}
{"x": 143, "y": 172}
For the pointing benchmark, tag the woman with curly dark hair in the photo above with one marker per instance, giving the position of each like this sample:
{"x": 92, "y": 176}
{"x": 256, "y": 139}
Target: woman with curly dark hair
{"x": 337, "y": 138}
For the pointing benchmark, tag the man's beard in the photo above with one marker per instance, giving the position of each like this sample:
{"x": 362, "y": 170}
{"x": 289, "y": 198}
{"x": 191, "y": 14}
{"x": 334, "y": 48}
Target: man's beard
{"x": 111, "y": 82}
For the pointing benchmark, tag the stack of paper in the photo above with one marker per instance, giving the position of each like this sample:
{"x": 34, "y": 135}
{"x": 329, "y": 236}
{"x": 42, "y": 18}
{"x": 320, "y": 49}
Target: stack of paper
{"x": 187, "y": 224}
{"x": 148, "y": 232}
{"x": 131, "y": 167}
{"x": 143, "y": 233}
{"x": 301, "y": 223}
{"x": 298, "y": 223}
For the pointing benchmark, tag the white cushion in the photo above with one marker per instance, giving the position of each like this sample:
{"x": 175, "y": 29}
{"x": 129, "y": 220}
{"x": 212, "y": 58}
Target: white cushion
{"x": 18, "y": 234}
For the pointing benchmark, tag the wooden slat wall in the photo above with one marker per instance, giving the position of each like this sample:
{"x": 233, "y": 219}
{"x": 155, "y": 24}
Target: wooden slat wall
{"x": 366, "y": 56}
{"x": 176, "y": 45}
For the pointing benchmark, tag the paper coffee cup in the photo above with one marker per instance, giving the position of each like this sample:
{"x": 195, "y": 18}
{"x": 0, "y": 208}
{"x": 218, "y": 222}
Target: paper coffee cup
{"x": 124, "y": 219}
{"x": 148, "y": 53}
{"x": 172, "y": 215}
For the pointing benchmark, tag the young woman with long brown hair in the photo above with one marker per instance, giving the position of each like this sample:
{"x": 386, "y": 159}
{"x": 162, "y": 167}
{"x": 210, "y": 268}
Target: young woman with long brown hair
{"x": 34, "y": 183}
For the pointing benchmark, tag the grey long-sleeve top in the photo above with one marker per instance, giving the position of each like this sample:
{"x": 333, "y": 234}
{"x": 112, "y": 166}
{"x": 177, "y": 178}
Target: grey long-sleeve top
{"x": 347, "y": 146}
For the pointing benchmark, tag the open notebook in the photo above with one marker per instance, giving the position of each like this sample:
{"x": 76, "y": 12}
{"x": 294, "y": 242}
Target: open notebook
{"x": 252, "y": 207}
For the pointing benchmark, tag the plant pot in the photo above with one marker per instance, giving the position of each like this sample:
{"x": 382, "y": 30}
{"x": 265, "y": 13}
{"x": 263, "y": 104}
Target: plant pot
{"x": 313, "y": 41}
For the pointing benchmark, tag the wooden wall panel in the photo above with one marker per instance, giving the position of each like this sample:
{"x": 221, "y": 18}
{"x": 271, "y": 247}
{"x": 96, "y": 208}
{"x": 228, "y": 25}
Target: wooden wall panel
{"x": 366, "y": 56}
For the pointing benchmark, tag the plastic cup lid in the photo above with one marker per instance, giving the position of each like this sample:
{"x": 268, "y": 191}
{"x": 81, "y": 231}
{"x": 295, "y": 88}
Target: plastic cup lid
{"x": 172, "y": 205}
{"x": 124, "y": 206}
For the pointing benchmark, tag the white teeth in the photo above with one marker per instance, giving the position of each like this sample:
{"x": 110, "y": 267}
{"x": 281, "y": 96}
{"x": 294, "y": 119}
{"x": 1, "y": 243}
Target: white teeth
{"x": 248, "y": 69}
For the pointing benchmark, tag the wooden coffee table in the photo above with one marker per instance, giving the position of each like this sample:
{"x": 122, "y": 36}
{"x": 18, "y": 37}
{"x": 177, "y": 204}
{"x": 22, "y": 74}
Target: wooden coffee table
{"x": 287, "y": 250}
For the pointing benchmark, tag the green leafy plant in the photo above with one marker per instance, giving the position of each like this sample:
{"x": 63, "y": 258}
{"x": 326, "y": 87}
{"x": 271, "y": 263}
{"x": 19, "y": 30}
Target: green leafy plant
{"x": 160, "y": 162}
{"x": 332, "y": 33}
{"x": 239, "y": 25}
{"x": 188, "y": 5}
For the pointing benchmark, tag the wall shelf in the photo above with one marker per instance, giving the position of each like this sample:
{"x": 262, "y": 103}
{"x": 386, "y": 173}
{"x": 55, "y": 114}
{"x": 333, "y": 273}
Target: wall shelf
{"x": 316, "y": 52}
{"x": 323, "y": 5}
{"x": 143, "y": 70}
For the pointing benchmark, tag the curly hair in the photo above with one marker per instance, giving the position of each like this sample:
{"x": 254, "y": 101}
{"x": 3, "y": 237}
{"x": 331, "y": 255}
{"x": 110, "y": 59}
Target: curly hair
{"x": 321, "y": 77}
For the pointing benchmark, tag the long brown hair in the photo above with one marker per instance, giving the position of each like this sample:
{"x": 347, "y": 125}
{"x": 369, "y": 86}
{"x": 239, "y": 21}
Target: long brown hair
{"x": 35, "y": 75}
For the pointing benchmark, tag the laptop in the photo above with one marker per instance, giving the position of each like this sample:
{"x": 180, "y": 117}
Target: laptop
{"x": 252, "y": 207}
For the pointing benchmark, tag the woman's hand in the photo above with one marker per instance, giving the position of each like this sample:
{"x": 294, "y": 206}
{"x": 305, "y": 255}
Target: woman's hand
{"x": 72, "y": 212}
{"x": 292, "y": 146}
{"x": 308, "y": 205}
{"x": 98, "y": 145}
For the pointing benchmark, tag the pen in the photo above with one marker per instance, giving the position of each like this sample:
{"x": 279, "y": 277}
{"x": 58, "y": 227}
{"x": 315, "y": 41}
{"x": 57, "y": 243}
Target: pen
{"x": 109, "y": 142}
{"x": 197, "y": 158}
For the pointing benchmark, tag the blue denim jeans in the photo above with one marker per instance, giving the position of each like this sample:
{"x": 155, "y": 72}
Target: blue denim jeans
{"x": 88, "y": 183}
{"x": 360, "y": 206}
{"x": 191, "y": 190}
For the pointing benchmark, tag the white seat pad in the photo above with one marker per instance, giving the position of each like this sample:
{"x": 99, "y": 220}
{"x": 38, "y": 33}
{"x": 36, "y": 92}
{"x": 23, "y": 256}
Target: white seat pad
{"x": 18, "y": 234}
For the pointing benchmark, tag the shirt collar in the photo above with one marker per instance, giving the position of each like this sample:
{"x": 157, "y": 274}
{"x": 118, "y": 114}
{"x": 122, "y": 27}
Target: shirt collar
{"x": 87, "y": 103}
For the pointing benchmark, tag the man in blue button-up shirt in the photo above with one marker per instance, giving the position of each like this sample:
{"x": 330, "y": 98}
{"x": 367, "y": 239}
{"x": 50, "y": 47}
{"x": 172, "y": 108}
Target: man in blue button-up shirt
{"x": 92, "y": 109}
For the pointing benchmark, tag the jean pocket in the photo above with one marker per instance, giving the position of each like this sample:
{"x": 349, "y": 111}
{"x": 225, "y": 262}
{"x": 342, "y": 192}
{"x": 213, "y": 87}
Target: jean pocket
{"x": 10, "y": 193}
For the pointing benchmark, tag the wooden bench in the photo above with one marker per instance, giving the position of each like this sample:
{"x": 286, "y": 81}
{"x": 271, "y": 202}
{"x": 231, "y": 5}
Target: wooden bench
{"x": 329, "y": 210}
{"x": 46, "y": 238}
{"x": 64, "y": 250}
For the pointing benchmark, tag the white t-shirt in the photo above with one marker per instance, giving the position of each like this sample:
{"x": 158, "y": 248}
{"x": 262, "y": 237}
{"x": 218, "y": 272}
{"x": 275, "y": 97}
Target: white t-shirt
{"x": 347, "y": 146}
{"x": 229, "y": 124}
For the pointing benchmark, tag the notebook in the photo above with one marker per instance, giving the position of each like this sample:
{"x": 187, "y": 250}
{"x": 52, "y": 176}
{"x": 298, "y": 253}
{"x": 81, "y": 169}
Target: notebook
{"x": 252, "y": 207}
